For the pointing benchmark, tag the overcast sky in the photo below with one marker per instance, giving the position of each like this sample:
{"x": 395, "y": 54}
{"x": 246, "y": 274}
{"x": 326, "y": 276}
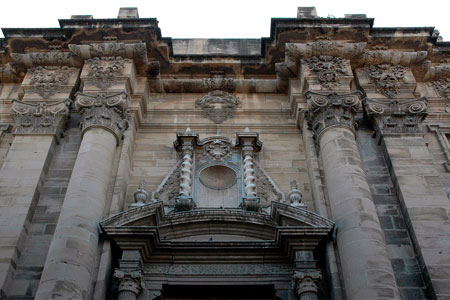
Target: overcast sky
{"x": 227, "y": 18}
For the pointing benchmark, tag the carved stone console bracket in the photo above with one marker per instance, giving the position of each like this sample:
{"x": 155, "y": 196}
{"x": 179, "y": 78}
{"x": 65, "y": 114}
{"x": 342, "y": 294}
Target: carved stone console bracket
{"x": 306, "y": 284}
{"x": 331, "y": 109}
{"x": 396, "y": 116}
{"x": 218, "y": 106}
{"x": 131, "y": 283}
{"x": 108, "y": 111}
{"x": 39, "y": 118}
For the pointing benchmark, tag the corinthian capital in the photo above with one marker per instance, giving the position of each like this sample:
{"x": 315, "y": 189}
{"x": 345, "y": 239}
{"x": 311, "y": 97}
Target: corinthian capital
{"x": 39, "y": 118}
{"x": 130, "y": 282}
{"x": 331, "y": 109}
{"x": 306, "y": 283}
{"x": 108, "y": 111}
{"x": 396, "y": 116}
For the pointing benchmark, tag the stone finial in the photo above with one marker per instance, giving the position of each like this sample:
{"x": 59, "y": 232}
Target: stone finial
{"x": 396, "y": 115}
{"x": 295, "y": 195}
{"x": 306, "y": 284}
{"x": 109, "y": 111}
{"x": 131, "y": 283}
{"x": 39, "y": 118}
{"x": 141, "y": 195}
{"x": 331, "y": 109}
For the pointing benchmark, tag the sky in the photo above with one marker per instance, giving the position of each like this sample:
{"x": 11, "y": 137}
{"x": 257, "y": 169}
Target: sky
{"x": 226, "y": 18}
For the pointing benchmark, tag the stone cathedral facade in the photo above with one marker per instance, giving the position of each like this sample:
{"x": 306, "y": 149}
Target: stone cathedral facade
{"x": 312, "y": 164}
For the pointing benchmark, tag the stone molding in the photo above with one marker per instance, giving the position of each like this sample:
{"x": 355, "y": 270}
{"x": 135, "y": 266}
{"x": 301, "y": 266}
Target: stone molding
{"x": 218, "y": 106}
{"x": 49, "y": 80}
{"x": 108, "y": 111}
{"x": 109, "y": 49}
{"x": 218, "y": 82}
{"x": 442, "y": 133}
{"x": 381, "y": 57}
{"x": 130, "y": 281}
{"x": 331, "y": 109}
{"x": 39, "y": 118}
{"x": 49, "y": 58}
{"x": 306, "y": 283}
{"x": 386, "y": 78}
{"x": 323, "y": 46}
{"x": 396, "y": 116}
{"x": 105, "y": 70}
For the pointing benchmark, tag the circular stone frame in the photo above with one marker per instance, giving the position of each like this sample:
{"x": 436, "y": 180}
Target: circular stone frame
{"x": 218, "y": 177}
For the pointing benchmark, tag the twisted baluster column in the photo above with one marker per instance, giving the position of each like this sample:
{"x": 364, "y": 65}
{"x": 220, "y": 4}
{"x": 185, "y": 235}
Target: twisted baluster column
{"x": 249, "y": 175}
{"x": 185, "y": 201}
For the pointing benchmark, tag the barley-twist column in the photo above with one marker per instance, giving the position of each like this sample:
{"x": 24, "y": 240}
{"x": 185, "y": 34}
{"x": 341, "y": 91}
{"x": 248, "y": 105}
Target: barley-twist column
{"x": 249, "y": 172}
{"x": 71, "y": 259}
{"x": 366, "y": 268}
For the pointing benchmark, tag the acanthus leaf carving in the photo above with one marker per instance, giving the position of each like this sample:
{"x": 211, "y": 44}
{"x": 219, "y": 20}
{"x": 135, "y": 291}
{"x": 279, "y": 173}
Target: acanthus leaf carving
{"x": 218, "y": 106}
{"x": 49, "y": 80}
{"x": 105, "y": 70}
{"x": 109, "y": 111}
{"x": 327, "y": 68}
{"x": 396, "y": 116}
{"x": 387, "y": 78}
{"x": 331, "y": 109}
{"x": 39, "y": 118}
{"x": 129, "y": 281}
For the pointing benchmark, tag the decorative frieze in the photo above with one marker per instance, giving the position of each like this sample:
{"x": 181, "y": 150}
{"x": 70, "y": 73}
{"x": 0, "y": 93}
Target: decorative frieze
{"x": 105, "y": 70}
{"x": 306, "y": 284}
{"x": 46, "y": 59}
{"x": 109, "y": 111}
{"x": 331, "y": 109}
{"x": 387, "y": 78}
{"x": 113, "y": 49}
{"x": 49, "y": 80}
{"x": 131, "y": 283}
{"x": 327, "y": 68}
{"x": 39, "y": 118}
{"x": 218, "y": 106}
{"x": 218, "y": 82}
{"x": 396, "y": 116}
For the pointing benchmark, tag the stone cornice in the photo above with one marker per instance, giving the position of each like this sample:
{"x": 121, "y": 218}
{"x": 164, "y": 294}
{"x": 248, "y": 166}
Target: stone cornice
{"x": 331, "y": 109}
{"x": 102, "y": 110}
{"x": 39, "y": 118}
{"x": 396, "y": 115}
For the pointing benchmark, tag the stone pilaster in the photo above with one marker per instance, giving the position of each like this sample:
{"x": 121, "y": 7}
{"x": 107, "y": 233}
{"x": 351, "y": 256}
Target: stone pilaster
{"x": 367, "y": 271}
{"x": 39, "y": 118}
{"x": 396, "y": 114}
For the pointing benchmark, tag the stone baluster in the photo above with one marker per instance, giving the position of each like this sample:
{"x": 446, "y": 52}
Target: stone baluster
{"x": 249, "y": 172}
{"x": 131, "y": 283}
{"x": 306, "y": 284}
{"x": 185, "y": 144}
{"x": 72, "y": 255}
{"x": 250, "y": 143}
{"x": 331, "y": 117}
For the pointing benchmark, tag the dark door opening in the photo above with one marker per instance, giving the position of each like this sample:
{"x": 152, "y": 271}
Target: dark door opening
{"x": 218, "y": 292}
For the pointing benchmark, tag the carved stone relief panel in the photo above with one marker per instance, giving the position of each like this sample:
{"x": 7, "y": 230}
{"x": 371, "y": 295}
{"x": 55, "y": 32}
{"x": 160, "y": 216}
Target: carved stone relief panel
{"x": 218, "y": 106}
{"x": 387, "y": 78}
{"x": 104, "y": 71}
{"x": 327, "y": 68}
{"x": 50, "y": 80}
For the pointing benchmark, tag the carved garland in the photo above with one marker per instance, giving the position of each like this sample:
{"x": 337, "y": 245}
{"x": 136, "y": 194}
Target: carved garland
{"x": 104, "y": 70}
{"x": 387, "y": 78}
{"x": 48, "y": 80}
{"x": 327, "y": 68}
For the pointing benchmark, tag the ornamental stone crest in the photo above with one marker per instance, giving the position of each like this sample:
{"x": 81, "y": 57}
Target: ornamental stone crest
{"x": 40, "y": 118}
{"x": 104, "y": 70}
{"x": 104, "y": 110}
{"x": 218, "y": 106}
{"x": 218, "y": 150}
{"x": 325, "y": 110}
{"x": 48, "y": 80}
{"x": 396, "y": 116}
{"x": 327, "y": 68}
{"x": 387, "y": 78}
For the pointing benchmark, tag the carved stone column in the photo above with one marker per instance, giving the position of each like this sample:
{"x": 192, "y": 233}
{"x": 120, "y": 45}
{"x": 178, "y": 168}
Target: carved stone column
{"x": 131, "y": 284}
{"x": 306, "y": 284}
{"x": 185, "y": 143}
{"x": 250, "y": 143}
{"x": 366, "y": 268}
{"x": 39, "y": 119}
{"x": 71, "y": 259}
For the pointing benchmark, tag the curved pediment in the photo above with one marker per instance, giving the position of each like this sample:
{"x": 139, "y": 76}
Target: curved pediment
{"x": 147, "y": 227}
